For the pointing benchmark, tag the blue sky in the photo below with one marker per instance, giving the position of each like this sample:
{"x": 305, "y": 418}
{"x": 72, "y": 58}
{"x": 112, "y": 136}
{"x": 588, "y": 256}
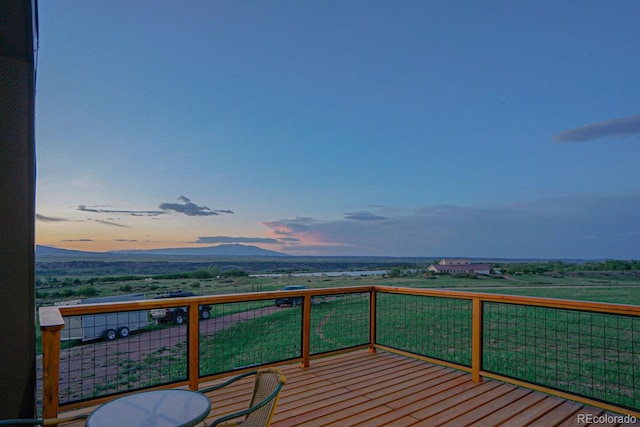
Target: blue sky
{"x": 411, "y": 128}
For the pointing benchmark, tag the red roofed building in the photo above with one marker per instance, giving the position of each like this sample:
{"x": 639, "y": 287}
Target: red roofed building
{"x": 459, "y": 266}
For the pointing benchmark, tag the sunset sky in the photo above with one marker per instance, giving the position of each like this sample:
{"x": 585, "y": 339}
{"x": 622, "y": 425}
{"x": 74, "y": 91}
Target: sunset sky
{"x": 412, "y": 128}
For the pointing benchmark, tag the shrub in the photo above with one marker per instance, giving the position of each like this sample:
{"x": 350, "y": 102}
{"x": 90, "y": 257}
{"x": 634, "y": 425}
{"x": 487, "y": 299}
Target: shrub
{"x": 68, "y": 293}
{"x": 234, "y": 273}
{"x": 200, "y": 274}
{"x": 87, "y": 291}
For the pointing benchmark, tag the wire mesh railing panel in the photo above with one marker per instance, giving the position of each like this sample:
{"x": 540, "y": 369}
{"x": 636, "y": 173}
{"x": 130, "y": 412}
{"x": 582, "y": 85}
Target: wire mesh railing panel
{"x": 595, "y": 355}
{"x": 110, "y": 353}
{"x": 242, "y": 334}
{"x": 339, "y": 321}
{"x": 428, "y": 326}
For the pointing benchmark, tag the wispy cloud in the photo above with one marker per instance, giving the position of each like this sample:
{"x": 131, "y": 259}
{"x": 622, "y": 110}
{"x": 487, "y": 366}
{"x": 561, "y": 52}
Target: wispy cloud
{"x": 228, "y": 239}
{"x": 98, "y": 209}
{"x": 187, "y": 207}
{"x": 289, "y": 228}
{"x": 191, "y": 209}
{"x": 111, "y": 223}
{"x": 625, "y": 126}
{"x": 307, "y": 234}
{"x": 50, "y": 218}
{"x": 78, "y": 240}
{"x": 286, "y": 240}
{"x": 363, "y": 216}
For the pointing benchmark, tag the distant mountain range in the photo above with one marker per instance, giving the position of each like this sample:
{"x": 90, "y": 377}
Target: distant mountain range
{"x": 238, "y": 250}
{"x": 42, "y": 250}
{"x": 219, "y": 250}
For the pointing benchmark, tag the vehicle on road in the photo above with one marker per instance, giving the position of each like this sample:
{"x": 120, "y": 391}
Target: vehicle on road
{"x": 177, "y": 315}
{"x": 292, "y": 301}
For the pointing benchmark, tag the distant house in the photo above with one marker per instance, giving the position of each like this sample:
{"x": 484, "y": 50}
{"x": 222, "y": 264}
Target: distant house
{"x": 459, "y": 266}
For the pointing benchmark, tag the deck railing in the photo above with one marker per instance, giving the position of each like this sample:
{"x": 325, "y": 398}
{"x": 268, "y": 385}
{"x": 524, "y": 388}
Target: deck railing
{"x": 585, "y": 351}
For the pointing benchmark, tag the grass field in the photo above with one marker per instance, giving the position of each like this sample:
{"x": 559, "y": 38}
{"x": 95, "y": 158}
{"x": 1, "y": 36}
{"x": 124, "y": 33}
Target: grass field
{"x": 614, "y": 287}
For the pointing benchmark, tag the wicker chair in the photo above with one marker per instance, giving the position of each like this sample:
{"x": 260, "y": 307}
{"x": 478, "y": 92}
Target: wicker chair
{"x": 262, "y": 406}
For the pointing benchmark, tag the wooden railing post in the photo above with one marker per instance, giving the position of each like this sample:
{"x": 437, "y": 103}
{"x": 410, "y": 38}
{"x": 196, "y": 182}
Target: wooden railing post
{"x": 476, "y": 339}
{"x": 306, "y": 331}
{"x": 193, "y": 351}
{"x": 372, "y": 320}
{"x": 51, "y": 323}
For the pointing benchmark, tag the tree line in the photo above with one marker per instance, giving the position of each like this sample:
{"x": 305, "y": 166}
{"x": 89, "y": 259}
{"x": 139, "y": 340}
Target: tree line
{"x": 564, "y": 267}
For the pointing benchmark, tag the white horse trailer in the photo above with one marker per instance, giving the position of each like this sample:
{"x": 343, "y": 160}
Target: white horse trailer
{"x": 108, "y": 326}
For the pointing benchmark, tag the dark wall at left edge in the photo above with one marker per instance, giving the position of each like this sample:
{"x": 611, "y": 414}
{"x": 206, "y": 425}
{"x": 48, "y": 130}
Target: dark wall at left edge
{"x": 18, "y": 40}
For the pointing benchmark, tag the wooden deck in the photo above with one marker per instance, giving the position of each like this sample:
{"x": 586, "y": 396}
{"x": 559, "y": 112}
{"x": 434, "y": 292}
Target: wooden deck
{"x": 383, "y": 389}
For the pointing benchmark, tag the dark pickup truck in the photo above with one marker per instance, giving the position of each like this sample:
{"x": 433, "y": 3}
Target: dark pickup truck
{"x": 293, "y": 301}
{"x": 177, "y": 315}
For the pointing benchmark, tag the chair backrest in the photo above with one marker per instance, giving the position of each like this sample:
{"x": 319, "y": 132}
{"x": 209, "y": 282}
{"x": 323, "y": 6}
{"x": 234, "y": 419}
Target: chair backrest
{"x": 268, "y": 381}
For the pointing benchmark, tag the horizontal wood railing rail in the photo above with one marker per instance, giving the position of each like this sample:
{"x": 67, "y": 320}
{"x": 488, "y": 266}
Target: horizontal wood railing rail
{"x": 600, "y": 307}
{"x": 51, "y": 323}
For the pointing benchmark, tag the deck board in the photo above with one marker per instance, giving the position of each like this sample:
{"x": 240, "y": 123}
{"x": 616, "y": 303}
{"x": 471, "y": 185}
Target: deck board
{"x": 564, "y": 411}
{"x": 384, "y": 389}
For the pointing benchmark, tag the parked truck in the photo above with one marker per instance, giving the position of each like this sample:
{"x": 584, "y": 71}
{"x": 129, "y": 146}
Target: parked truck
{"x": 177, "y": 315}
{"x": 107, "y": 326}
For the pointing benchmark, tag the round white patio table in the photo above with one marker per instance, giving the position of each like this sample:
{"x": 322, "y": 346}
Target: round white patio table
{"x": 156, "y": 408}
